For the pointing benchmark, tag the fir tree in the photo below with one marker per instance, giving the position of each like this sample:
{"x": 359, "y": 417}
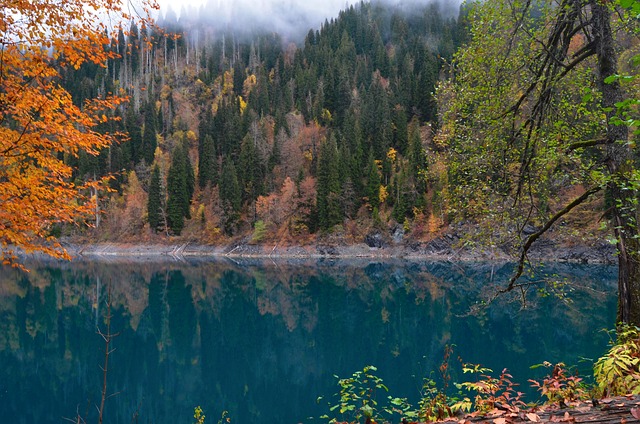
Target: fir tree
{"x": 373, "y": 183}
{"x": 179, "y": 196}
{"x": 329, "y": 187}
{"x": 239, "y": 75}
{"x": 252, "y": 171}
{"x": 149, "y": 142}
{"x": 154, "y": 204}
{"x": 230, "y": 196}
{"x": 190, "y": 180}
{"x": 207, "y": 166}
{"x": 135, "y": 135}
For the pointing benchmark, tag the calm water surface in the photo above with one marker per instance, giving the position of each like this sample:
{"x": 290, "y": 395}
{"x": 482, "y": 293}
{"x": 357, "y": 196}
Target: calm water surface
{"x": 263, "y": 340}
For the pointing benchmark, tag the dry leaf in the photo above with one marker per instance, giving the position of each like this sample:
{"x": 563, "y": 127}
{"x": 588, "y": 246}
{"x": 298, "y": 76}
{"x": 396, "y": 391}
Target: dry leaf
{"x": 500, "y": 421}
{"x": 636, "y": 413}
{"x": 533, "y": 417}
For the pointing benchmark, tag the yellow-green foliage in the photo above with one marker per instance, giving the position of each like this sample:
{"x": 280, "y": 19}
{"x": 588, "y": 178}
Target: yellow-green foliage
{"x": 198, "y": 415}
{"x": 618, "y": 372}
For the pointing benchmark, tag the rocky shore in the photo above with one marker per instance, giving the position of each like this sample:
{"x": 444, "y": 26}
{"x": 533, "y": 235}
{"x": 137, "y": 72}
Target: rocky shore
{"x": 446, "y": 247}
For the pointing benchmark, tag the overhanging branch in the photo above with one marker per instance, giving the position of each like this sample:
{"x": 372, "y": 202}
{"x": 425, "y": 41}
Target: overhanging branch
{"x": 587, "y": 143}
{"x": 535, "y": 236}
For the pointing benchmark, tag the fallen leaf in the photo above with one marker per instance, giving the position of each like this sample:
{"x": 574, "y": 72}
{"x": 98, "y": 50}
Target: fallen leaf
{"x": 533, "y": 417}
{"x": 500, "y": 421}
{"x": 636, "y": 413}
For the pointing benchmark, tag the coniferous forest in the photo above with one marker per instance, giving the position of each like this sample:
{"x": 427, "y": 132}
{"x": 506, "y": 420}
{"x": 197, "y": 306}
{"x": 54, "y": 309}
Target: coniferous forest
{"x": 232, "y": 133}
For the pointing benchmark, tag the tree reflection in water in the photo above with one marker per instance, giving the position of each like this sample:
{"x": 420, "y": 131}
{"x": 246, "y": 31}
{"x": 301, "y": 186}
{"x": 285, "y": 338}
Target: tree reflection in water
{"x": 263, "y": 339}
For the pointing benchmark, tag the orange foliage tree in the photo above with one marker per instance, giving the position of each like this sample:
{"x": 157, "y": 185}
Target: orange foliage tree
{"x": 39, "y": 123}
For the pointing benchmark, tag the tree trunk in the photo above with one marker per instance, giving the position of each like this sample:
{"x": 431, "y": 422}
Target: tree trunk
{"x": 619, "y": 163}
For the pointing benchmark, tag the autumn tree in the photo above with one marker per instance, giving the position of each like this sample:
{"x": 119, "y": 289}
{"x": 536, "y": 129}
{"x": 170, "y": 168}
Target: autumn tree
{"x": 531, "y": 110}
{"x": 39, "y": 122}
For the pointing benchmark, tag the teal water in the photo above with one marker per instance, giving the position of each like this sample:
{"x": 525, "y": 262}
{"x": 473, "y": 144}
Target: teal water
{"x": 263, "y": 340}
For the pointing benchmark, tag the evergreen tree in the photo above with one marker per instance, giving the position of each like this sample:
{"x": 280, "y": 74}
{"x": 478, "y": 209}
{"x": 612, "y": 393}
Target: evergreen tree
{"x": 178, "y": 199}
{"x": 207, "y": 164}
{"x": 252, "y": 171}
{"x": 373, "y": 183}
{"x": 400, "y": 197}
{"x": 230, "y": 196}
{"x": 329, "y": 187}
{"x": 149, "y": 141}
{"x": 134, "y": 47}
{"x": 154, "y": 204}
{"x": 135, "y": 135}
{"x": 239, "y": 75}
{"x": 190, "y": 180}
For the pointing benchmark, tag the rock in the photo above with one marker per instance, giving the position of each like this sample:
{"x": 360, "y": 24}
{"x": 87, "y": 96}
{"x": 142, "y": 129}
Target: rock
{"x": 398, "y": 234}
{"x": 439, "y": 245}
{"x": 375, "y": 240}
{"x": 327, "y": 250}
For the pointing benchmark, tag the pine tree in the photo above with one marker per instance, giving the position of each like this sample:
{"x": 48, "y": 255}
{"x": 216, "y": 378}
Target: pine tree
{"x": 154, "y": 204}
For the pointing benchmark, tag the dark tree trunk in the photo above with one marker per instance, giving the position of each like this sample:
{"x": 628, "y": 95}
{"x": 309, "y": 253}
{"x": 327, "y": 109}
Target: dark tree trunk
{"x": 619, "y": 163}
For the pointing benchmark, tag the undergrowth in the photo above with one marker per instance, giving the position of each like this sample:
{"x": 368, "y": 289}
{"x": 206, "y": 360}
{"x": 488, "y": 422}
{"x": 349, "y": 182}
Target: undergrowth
{"x": 364, "y": 396}
{"x": 618, "y": 371}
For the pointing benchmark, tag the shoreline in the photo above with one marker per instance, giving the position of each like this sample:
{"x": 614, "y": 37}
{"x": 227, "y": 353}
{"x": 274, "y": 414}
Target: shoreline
{"x": 442, "y": 249}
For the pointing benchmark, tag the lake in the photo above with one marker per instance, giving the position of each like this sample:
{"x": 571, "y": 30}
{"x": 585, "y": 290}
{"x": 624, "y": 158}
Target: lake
{"x": 264, "y": 339}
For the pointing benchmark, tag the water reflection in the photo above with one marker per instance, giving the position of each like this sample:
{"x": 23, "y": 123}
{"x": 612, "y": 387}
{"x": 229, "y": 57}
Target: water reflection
{"x": 263, "y": 340}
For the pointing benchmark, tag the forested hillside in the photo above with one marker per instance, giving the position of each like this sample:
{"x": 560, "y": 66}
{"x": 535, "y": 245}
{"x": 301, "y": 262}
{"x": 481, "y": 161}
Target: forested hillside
{"x": 250, "y": 133}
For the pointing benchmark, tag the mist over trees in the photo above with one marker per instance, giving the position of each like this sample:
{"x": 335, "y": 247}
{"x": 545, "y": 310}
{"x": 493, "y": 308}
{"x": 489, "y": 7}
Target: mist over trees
{"x": 226, "y": 128}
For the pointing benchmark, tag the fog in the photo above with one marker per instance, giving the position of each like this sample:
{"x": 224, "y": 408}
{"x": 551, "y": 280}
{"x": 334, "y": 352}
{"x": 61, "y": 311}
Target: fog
{"x": 290, "y": 18}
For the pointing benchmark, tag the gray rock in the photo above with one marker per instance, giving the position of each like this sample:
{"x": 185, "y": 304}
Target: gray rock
{"x": 374, "y": 240}
{"x": 398, "y": 234}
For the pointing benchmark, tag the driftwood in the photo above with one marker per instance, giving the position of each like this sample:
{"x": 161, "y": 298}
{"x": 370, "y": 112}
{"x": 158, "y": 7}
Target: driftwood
{"x": 613, "y": 410}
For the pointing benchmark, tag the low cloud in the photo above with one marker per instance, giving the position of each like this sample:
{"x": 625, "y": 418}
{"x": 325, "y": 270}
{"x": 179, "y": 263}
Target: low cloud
{"x": 291, "y": 18}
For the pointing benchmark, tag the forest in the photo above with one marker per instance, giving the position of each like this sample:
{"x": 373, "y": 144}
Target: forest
{"x": 232, "y": 134}
{"x": 506, "y": 126}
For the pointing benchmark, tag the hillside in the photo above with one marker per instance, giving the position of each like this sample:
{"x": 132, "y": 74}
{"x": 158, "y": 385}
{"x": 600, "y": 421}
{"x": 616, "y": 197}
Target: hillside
{"x": 243, "y": 137}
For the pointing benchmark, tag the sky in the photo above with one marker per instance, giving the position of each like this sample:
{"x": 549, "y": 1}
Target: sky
{"x": 278, "y": 15}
